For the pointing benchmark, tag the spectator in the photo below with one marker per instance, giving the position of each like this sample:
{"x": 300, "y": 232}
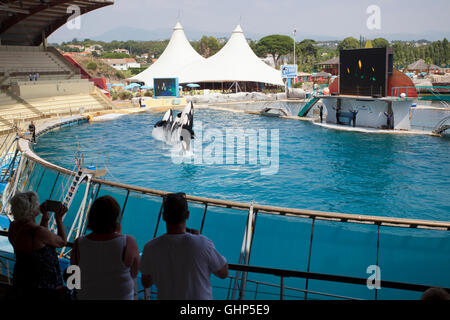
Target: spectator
{"x": 354, "y": 113}
{"x": 108, "y": 260}
{"x": 32, "y": 130}
{"x": 37, "y": 270}
{"x": 30, "y": 76}
{"x": 180, "y": 262}
{"x": 435, "y": 294}
{"x": 321, "y": 113}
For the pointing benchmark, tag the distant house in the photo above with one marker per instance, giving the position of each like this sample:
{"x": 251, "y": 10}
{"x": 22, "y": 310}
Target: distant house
{"x": 122, "y": 64}
{"x": 330, "y": 66}
{"x": 81, "y": 48}
{"x": 303, "y": 77}
{"x": 121, "y": 51}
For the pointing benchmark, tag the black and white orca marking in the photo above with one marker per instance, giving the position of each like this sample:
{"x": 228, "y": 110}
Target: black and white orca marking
{"x": 180, "y": 129}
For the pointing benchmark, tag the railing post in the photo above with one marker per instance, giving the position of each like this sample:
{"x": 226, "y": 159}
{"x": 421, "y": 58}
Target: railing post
{"x": 204, "y": 216}
{"x": 159, "y": 218}
{"x": 245, "y": 252}
{"x": 282, "y": 288}
{"x": 40, "y": 180}
{"x": 53, "y": 188}
{"x": 378, "y": 252}
{"x": 124, "y": 205}
{"x": 309, "y": 257}
{"x": 248, "y": 247}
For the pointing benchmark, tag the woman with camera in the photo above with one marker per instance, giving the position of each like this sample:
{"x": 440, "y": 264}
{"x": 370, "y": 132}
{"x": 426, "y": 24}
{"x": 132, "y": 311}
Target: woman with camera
{"x": 37, "y": 267}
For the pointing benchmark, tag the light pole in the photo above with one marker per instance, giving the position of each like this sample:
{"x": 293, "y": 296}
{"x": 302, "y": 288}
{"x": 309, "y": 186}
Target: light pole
{"x": 294, "y": 42}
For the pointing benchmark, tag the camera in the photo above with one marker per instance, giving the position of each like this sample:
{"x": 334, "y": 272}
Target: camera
{"x": 52, "y": 205}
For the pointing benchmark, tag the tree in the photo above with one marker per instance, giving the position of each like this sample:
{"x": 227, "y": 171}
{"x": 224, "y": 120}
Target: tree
{"x": 208, "y": 46}
{"x": 275, "y": 45}
{"x": 348, "y": 43}
{"x": 307, "y": 54}
{"x": 380, "y": 43}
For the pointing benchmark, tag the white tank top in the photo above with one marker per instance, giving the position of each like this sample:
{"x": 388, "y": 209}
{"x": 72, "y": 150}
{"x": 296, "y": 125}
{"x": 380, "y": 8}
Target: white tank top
{"x": 103, "y": 273}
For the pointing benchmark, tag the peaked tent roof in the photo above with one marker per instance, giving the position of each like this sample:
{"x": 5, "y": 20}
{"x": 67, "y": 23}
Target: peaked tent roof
{"x": 177, "y": 55}
{"x": 418, "y": 65}
{"x": 236, "y": 61}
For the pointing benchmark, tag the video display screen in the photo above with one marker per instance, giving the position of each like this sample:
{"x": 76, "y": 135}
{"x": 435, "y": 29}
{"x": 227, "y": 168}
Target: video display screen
{"x": 363, "y": 72}
{"x": 165, "y": 87}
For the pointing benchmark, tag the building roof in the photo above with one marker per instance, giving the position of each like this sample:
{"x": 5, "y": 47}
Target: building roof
{"x": 334, "y": 60}
{"x": 236, "y": 61}
{"x": 321, "y": 74}
{"x": 24, "y": 22}
{"x": 177, "y": 55}
{"x": 418, "y": 65}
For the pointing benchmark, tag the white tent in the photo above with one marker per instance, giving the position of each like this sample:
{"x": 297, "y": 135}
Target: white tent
{"x": 177, "y": 55}
{"x": 236, "y": 61}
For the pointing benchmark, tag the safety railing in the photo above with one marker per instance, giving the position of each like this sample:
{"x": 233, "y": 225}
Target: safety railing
{"x": 421, "y": 92}
{"x": 30, "y": 175}
{"x": 281, "y": 287}
{"x": 238, "y": 290}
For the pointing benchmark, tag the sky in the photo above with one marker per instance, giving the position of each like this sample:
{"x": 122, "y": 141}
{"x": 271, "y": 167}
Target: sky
{"x": 323, "y": 19}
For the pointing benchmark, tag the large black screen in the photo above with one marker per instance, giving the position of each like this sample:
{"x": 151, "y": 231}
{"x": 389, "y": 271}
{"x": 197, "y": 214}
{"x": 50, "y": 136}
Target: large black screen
{"x": 363, "y": 72}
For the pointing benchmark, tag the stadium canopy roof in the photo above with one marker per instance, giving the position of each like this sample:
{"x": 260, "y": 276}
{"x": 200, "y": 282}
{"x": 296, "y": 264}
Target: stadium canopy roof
{"x": 236, "y": 61}
{"x": 28, "y": 22}
{"x": 177, "y": 55}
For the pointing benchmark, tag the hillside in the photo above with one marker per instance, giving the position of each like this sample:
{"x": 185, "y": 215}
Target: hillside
{"x": 103, "y": 70}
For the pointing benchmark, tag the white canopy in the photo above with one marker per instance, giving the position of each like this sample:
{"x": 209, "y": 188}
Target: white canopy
{"x": 177, "y": 55}
{"x": 236, "y": 61}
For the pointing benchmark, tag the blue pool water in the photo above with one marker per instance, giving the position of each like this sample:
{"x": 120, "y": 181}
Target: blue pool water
{"x": 319, "y": 168}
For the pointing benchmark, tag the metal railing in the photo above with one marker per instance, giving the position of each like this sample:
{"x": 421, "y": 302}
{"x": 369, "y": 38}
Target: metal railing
{"x": 254, "y": 210}
{"x": 282, "y": 274}
{"x": 421, "y": 91}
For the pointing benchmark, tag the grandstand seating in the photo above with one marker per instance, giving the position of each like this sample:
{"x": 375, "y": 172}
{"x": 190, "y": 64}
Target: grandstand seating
{"x": 18, "y": 62}
{"x": 59, "y": 90}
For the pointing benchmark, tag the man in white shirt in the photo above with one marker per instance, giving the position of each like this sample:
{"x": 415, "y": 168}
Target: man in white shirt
{"x": 180, "y": 263}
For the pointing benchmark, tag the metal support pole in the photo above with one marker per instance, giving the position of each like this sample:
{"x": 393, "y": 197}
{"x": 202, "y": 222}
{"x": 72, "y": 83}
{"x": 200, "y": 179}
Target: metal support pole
{"x": 124, "y": 205}
{"x": 378, "y": 251}
{"x": 159, "y": 218}
{"x": 56, "y": 180}
{"x": 204, "y": 216}
{"x": 309, "y": 257}
{"x": 40, "y": 180}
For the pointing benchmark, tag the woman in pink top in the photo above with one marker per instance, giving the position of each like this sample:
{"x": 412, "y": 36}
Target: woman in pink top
{"x": 108, "y": 260}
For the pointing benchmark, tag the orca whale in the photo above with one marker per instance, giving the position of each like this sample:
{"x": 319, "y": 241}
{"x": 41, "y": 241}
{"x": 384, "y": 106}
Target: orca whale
{"x": 178, "y": 130}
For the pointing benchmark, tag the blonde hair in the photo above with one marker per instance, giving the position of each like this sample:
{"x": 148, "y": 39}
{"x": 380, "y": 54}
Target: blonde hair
{"x": 24, "y": 205}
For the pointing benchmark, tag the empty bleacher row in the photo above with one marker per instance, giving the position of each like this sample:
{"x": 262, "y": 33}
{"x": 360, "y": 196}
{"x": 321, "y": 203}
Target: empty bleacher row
{"x": 19, "y": 113}
{"x": 18, "y": 62}
{"x": 58, "y": 91}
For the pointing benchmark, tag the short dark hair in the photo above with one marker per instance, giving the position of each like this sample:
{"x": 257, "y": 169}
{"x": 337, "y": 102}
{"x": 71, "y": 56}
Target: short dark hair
{"x": 102, "y": 217}
{"x": 175, "y": 208}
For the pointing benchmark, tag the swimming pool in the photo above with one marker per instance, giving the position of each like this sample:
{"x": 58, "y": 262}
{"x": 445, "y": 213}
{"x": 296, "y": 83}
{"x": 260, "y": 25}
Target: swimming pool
{"x": 318, "y": 168}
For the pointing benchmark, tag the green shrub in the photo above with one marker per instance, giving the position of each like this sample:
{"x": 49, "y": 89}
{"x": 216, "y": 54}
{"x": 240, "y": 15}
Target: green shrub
{"x": 148, "y": 93}
{"x": 92, "y": 66}
{"x": 125, "y": 95}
